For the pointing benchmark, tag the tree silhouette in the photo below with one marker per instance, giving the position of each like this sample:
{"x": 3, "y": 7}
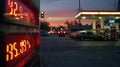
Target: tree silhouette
{"x": 44, "y": 26}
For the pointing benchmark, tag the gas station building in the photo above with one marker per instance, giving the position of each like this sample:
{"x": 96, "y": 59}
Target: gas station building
{"x": 101, "y": 20}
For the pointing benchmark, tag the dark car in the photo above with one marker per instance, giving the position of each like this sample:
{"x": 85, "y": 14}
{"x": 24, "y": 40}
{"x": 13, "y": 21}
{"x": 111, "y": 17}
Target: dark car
{"x": 61, "y": 33}
{"x": 86, "y": 35}
{"x": 90, "y": 35}
{"x": 44, "y": 33}
{"x": 74, "y": 34}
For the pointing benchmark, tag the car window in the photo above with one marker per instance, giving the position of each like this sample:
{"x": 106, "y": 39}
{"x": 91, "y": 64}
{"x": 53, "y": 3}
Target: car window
{"x": 41, "y": 31}
{"x": 83, "y": 33}
{"x": 89, "y": 33}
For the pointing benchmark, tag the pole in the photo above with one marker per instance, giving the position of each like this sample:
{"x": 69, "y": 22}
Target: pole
{"x": 79, "y": 10}
{"x": 118, "y": 6}
{"x": 79, "y": 5}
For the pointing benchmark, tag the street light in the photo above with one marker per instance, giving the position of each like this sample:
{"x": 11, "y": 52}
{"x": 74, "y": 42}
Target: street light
{"x": 79, "y": 10}
{"x": 118, "y": 7}
{"x": 79, "y": 5}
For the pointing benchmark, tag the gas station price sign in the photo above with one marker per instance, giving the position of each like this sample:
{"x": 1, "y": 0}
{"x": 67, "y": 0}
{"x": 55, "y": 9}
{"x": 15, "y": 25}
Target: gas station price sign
{"x": 17, "y": 47}
{"x": 13, "y": 50}
{"x": 16, "y": 9}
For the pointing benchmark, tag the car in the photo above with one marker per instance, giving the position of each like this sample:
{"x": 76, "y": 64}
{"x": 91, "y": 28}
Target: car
{"x": 44, "y": 33}
{"x": 84, "y": 35}
{"x": 74, "y": 34}
{"x": 90, "y": 35}
{"x": 61, "y": 33}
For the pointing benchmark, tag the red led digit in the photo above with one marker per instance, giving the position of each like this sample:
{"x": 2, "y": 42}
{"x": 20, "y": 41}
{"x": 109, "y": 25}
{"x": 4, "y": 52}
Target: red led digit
{"x": 7, "y": 55}
{"x": 15, "y": 49}
{"x": 10, "y": 4}
{"x": 23, "y": 46}
{"x": 11, "y": 12}
{"x": 16, "y": 8}
{"x": 9, "y": 50}
{"x": 28, "y": 43}
{"x": 21, "y": 12}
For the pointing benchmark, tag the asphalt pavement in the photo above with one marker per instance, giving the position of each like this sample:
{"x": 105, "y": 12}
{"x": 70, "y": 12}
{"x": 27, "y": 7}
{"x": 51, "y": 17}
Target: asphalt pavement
{"x": 65, "y": 52}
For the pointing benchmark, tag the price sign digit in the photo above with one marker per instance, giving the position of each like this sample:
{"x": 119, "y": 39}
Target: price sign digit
{"x": 10, "y": 4}
{"x": 16, "y": 8}
{"x": 13, "y": 7}
{"x": 23, "y": 46}
{"x": 28, "y": 43}
{"x": 16, "y": 50}
{"x": 9, "y": 50}
{"x": 21, "y": 11}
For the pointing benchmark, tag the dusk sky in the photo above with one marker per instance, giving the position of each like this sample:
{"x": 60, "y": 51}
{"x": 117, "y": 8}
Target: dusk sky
{"x": 59, "y": 11}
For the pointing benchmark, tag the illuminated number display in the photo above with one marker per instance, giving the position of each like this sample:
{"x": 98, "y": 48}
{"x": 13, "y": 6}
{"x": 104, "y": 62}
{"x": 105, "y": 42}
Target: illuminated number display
{"x": 17, "y": 10}
{"x": 13, "y": 51}
{"x": 18, "y": 46}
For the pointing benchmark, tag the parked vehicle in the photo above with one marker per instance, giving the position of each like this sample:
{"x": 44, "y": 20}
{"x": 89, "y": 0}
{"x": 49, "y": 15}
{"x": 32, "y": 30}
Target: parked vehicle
{"x": 44, "y": 33}
{"x": 83, "y": 35}
{"x": 74, "y": 34}
{"x": 61, "y": 33}
{"x": 90, "y": 35}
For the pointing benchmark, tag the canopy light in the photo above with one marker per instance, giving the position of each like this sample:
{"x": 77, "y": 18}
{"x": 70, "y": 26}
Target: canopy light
{"x": 97, "y": 13}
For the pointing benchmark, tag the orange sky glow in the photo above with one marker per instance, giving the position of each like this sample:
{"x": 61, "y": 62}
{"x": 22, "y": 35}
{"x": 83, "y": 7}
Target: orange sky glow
{"x": 60, "y": 19}
{"x": 83, "y": 22}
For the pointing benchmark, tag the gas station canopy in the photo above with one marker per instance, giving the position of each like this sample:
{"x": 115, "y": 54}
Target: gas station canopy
{"x": 89, "y": 14}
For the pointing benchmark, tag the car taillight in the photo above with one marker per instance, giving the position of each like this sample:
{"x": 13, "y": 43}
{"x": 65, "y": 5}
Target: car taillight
{"x": 58, "y": 31}
{"x": 74, "y": 35}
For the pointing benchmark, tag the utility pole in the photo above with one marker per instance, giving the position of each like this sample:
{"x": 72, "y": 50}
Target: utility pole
{"x": 79, "y": 11}
{"x": 118, "y": 6}
{"x": 79, "y": 5}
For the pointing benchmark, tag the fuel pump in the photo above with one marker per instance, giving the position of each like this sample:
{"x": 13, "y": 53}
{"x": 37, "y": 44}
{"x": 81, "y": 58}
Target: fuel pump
{"x": 113, "y": 34}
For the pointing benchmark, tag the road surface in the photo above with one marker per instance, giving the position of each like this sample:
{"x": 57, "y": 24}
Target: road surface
{"x": 64, "y": 52}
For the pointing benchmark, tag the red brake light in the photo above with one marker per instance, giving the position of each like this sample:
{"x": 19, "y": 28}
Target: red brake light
{"x": 58, "y": 31}
{"x": 74, "y": 35}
